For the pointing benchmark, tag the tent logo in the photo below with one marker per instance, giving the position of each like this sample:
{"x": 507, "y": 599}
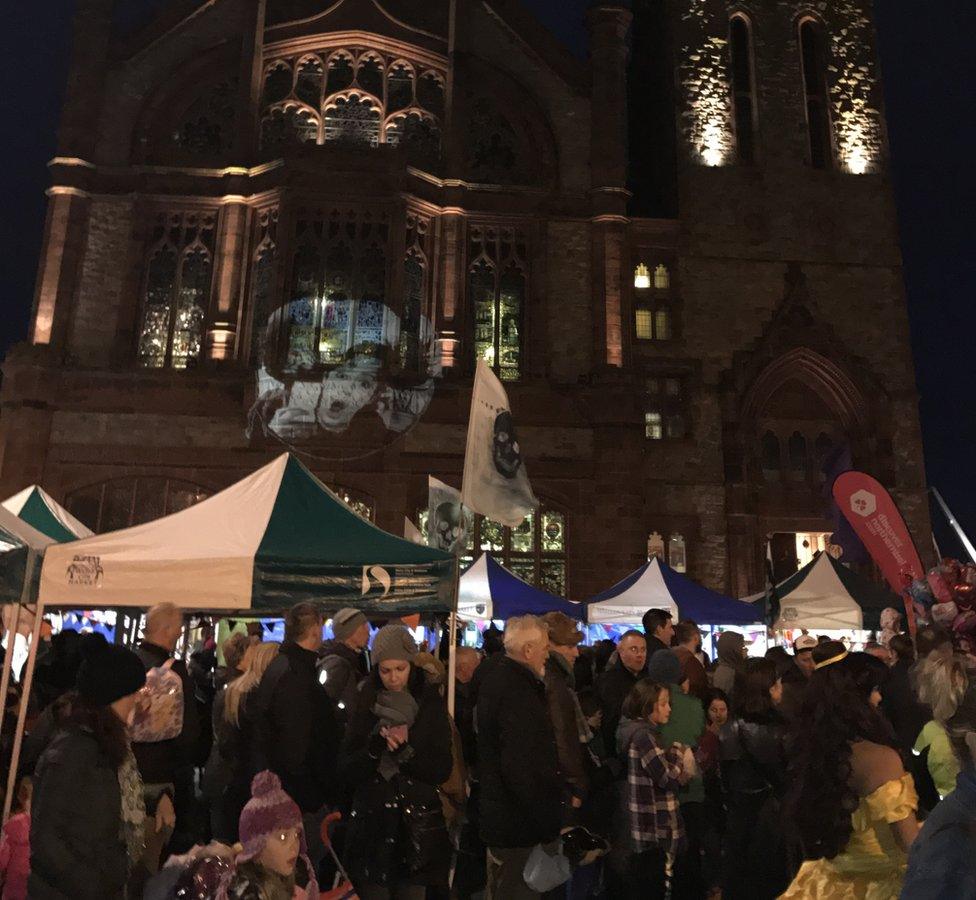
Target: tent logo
{"x": 381, "y": 576}
{"x": 85, "y": 571}
{"x": 863, "y": 503}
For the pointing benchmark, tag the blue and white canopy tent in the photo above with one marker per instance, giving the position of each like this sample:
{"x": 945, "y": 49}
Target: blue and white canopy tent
{"x": 489, "y": 591}
{"x": 39, "y": 509}
{"x": 655, "y": 585}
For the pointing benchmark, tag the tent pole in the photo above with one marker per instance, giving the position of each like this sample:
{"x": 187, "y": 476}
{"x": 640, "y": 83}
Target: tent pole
{"x": 452, "y": 637}
{"x": 8, "y": 659}
{"x": 22, "y": 711}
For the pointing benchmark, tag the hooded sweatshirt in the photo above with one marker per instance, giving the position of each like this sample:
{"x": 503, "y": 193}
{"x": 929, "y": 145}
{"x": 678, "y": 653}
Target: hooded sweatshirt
{"x": 730, "y": 645}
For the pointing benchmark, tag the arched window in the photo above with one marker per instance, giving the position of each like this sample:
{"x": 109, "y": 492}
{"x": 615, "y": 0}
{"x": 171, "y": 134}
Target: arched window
{"x": 535, "y": 550}
{"x": 652, "y": 305}
{"x": 122, "y": 502}
{"x": 177, "y": 290}
{"x": 813, "y": 57}
{"x": 677, "y": 553}
{"x": 771, "y": 462}
{"x": 338, "y": 289}
{"x": 662, "y": 278}
{"x": 743, "y": 88}
{"x": 496, "y": 288}
{"x": 797, "y": 448}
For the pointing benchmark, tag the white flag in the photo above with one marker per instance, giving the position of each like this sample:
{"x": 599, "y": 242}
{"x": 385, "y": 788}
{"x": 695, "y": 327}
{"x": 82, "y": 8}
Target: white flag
{"x": 495, "y": 482}
{"x": 411, "y": 532}
{"x": 448, "y": 522}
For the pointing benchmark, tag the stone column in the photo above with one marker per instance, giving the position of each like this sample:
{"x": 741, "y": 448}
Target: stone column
{"x": 608, "y": 23}
{"x": 223, "y": 321}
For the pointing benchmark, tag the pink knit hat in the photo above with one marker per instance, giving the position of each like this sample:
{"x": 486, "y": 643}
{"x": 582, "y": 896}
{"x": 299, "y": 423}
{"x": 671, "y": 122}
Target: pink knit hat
{"x": 269, "y": 811}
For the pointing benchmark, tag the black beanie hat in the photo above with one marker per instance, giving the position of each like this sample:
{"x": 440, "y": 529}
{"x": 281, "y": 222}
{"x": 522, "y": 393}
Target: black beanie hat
{"x": 108, "y": 673}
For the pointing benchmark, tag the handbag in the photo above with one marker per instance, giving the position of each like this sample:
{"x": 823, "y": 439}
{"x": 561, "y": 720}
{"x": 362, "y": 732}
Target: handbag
{"x": 423, "y": 826}
{"x": 158, "y": 714}
{"x": 547, "y": 867}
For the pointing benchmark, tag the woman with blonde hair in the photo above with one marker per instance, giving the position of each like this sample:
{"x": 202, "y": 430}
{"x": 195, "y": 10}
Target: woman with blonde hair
{"x": 941, "y": 681}
{"x": 227, "y": 782}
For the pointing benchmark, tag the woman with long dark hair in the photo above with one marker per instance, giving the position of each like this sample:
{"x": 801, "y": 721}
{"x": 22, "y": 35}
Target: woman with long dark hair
{"x": 754, "y": 764}
{"x": 88, "y": 821}
{"x": 849, "y": 798}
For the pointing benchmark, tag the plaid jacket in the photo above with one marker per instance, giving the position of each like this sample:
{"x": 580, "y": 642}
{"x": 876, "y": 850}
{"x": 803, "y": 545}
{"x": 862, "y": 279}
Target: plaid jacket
{"x": 652, "y": 794}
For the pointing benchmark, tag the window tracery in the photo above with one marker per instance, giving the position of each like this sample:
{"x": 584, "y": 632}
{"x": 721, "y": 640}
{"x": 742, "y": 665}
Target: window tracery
{"x": 413, "y": 340}
{"x": 497, "y": 287}
{"x": 263, "y": 260}
{"x": 177, "y": 290}
{"x": 207, "y": 126}
{"x": 494, "y": 152}
{"x": 356, "y": 96}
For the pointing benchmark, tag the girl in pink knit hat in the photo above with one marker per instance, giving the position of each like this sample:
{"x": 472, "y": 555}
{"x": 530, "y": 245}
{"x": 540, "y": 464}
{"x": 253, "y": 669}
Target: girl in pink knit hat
{"x": 273, "y": 864}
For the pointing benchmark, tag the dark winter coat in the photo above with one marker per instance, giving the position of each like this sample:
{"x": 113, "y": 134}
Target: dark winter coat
{"x": 379, "y": 844}
{"x": 562, "y": 713}
{"x": 344, "y": 669}
{"x": 613, "y": 686}
{"x": 518, "y": 765}
{"x": 77, "y": 850}
{"x": 901, "y": 706}
{"x": 755, "y": 755}
{"x": 296, "y": 731}
{"x": 160, "y": 761}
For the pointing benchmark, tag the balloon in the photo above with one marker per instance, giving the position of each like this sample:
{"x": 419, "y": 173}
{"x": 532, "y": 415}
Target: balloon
{"x": 939, "y": 586}
{"x": 964, "y": 595}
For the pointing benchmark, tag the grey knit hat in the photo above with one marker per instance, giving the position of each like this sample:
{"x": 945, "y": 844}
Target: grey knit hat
{"x": 393, "y": 641}
{"x": 346, "y": 621}
{"x": 665, "y": 667}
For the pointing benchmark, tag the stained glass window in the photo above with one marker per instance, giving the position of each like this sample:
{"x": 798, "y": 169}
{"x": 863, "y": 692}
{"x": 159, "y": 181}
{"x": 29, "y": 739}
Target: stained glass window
{"x": 123, "y": 502}
{"x": 496, "y": 289}
{"x": 177, "y": 291}
{"x": 338, "y": 288}
{"x": 535, "y": 550}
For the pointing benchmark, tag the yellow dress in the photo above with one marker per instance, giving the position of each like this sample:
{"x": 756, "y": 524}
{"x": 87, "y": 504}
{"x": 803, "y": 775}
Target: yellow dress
{"x": 872, "y": 866}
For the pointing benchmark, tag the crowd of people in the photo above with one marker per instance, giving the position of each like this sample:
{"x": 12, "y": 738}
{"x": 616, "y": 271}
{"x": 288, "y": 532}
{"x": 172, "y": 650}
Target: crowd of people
{"x": 639, "y": 768}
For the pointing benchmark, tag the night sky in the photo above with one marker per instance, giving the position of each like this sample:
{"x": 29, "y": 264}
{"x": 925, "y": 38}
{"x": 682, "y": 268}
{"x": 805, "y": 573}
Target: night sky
{"x": 930, "y": 86}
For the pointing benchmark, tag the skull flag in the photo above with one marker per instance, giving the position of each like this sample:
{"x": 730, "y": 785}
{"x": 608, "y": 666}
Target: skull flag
{"x": 448, "y": 522}
{"x": 495, "y": 482}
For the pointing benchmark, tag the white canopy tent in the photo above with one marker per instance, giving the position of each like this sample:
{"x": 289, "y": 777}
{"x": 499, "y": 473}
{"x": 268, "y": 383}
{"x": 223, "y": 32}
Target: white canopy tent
{"x": 626, "y": 602}
{"x": 818, "y": 601}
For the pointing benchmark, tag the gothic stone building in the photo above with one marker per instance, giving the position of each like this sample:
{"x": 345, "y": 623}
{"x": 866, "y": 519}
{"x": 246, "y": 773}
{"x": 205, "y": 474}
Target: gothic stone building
{"x": 679, "y": 252}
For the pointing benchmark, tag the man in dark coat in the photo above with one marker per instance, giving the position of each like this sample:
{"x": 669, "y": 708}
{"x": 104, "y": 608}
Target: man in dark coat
{"x": 615, "y": 683}
{"x": 519, "y": 768}
{"x": 658, "y": 630}
{"x": 297, "y": 734}
{"x": 342, "y": 664}
{"x": 167, "y": 766}
{"x": 565, "y": 714}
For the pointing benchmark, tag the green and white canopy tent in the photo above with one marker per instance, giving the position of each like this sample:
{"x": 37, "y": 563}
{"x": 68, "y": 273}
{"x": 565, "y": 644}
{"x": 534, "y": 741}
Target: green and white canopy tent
{"x": 40, "y": 510}
{"x": 274, "y": 539}
{"x": 20, "y": 544}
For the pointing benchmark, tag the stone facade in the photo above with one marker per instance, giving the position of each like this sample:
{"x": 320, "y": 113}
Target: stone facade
{"x": 775, "y": 327}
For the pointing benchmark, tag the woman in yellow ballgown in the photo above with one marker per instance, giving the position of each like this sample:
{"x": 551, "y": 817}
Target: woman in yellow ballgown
{"x": 849, "y": 797}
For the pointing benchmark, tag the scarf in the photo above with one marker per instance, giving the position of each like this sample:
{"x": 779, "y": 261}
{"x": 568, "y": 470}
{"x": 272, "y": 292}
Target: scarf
{"x": 133, "y": 825}
{"x": 394, "y": 708}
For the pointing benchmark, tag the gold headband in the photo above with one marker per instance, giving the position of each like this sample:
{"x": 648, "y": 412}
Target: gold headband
{"x": 832, "y": 659}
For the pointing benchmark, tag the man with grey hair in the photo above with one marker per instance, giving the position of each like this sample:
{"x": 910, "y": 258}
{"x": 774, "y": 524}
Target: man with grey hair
{"x": 166, "y": 767}
{"x": 521, "y": 789}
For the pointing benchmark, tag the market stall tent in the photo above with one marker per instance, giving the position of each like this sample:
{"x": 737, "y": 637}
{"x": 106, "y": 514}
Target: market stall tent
{"x": 276, "y": 538}
{"x": 489, "y": 591}
{"x": 825, "y": 594}
{"x": 39, "y": 509}
{"x": 655, "y": 585}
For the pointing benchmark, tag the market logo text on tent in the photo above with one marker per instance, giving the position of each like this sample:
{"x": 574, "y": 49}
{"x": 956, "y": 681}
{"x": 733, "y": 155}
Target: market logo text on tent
{"x": 85, "y": 571}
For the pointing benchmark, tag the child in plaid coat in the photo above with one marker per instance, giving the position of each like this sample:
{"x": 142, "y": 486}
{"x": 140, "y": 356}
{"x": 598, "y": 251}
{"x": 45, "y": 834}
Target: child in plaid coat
{"x": 653, "y": 778}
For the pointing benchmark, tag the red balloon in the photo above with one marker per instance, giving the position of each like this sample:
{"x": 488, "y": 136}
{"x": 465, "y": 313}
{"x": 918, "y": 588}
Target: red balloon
{"x": 964, "y": 595}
